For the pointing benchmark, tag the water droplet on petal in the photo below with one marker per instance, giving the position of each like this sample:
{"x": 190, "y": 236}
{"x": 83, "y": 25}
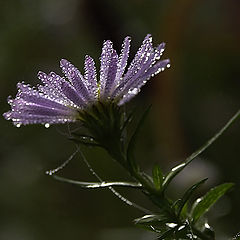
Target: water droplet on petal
{"x": 133, "y": 91}
{"x": 47, "y": 125}
{"x": 168, "y": 65}
{"x": 18, "y": 125}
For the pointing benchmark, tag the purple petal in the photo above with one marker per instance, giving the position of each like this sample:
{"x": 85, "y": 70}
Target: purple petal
{"x": 135, "y": 87}
{"x": 155, "y": 69}
{"x": 90, "y": 76}
{"x": 52, "y": 87}
{"x": 159, "y": 50}
{"x": 23, "y": 118}
{"x": 72, "y": 94}
{"x": 122, "y": 61}
{"x": 111, "y": 75}
{"x": 106, "y": 56}
{"x": 76, "y": 78}
{"x": 30, "y": 106}
{"x": 136, "y": 67}
{"x": 23, "y": 106}
{"x": 31, "y": 95}
{"x": 144, "y": 68}
{"x": 140, "y": 57}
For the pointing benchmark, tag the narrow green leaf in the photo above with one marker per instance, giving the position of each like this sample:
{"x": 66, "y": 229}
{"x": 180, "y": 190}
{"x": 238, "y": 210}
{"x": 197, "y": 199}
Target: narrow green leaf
{"x": 202, "y": 205}
{"x": 132, "y": 142}
{"x": 187, "y": 195}
{"x": 83, "y": 139}
{"x": 128, "y": 120}
{"x": 149, "y": 219}
{"x": 157, "y": 177}
{"x": 181, "y": 166}
{"x": 167, "y": 234}
{"x": 97, "y": 184}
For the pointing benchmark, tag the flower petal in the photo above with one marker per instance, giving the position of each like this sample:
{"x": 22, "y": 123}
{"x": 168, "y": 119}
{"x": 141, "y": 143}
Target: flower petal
{"x": 106, "y": 57}
{"x": 122, "y": 61}
{"x": 136, "y": 67}
{"x": 90, "y": 76}
{"x": 135, "y": 87}
{"x": 22, "y": 118}
{"x": 76, "y": 78}
{"x": 111, "y": 75}
{"x": 72, "y": 94}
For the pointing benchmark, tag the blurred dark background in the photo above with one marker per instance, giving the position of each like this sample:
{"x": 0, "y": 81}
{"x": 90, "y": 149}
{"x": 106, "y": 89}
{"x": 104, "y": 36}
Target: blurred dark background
{"x": 191, "y": 101}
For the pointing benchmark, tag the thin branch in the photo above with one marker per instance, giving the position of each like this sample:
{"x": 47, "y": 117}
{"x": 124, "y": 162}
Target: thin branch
{"x": 98, "y": 184}
{"x": 180, "y": 167}
{"x": 128, "y": 202}
{"x": 64, "y": 164}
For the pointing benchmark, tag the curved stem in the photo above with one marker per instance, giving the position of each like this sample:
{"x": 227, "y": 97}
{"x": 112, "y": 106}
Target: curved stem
{"x": 98, "y": 184}
{"x": 130, "y": 203}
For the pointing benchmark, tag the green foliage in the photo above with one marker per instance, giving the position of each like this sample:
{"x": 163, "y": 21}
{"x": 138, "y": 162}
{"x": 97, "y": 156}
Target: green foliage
{"x": 106, "y": 126}
{"x": 203, "y": 204}
{"x": 132, "y": 142}
{"x": 150, "y": 219}
{"x": 237, "y": 237}
{"x": 157, "y": 177}
{"x": 183, "y": 201}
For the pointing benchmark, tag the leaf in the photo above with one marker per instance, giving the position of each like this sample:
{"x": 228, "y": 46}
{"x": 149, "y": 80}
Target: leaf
{"x": 132, "y": 142}
{"x": 128, "y": 120}
{"x": 149, "y": 219}
{"x": 167, "y": 234}
{"x": 97, "y": 184}
{"x": 202, "y": 205}
{"x": 187, "y": 195}
{"x": 83, "y": 139}
{"x": 157, "y": 177}
{"x": 181, "y": 166}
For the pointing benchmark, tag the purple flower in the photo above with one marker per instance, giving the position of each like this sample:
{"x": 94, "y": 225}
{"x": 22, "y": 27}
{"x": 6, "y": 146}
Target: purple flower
{"x": 61, "y": 99}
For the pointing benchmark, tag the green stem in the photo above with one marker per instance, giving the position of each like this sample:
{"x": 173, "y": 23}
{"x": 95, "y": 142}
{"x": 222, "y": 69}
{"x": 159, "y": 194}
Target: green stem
{"x": 98, "y": 184}
{"x": 180, "y": 167}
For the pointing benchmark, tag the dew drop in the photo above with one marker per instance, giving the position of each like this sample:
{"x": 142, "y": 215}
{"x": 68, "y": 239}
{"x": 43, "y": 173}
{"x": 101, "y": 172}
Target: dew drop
{"x": 207, "y": 226}
{"x": 168, "y": 65}
{"x": 171, "y": 225}
{"x": 49, "y": 172}
{"x": 47, "y": 125}
{"x": 133, "y": 91}
{"x": 181, "y": 227}
{"x": 18, "y": 125}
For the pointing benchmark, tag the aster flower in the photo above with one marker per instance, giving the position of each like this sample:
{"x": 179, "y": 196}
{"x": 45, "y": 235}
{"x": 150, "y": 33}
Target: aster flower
{"x": 65, "y": 99}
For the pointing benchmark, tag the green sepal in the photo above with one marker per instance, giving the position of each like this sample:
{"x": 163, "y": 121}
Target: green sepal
{"x": 186, "y": 196}
{"x": 128, "y": 120}
{"x": 132, "y": 142}
{"x": 158, "y": 177}
{"x": 203, "y": 204}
